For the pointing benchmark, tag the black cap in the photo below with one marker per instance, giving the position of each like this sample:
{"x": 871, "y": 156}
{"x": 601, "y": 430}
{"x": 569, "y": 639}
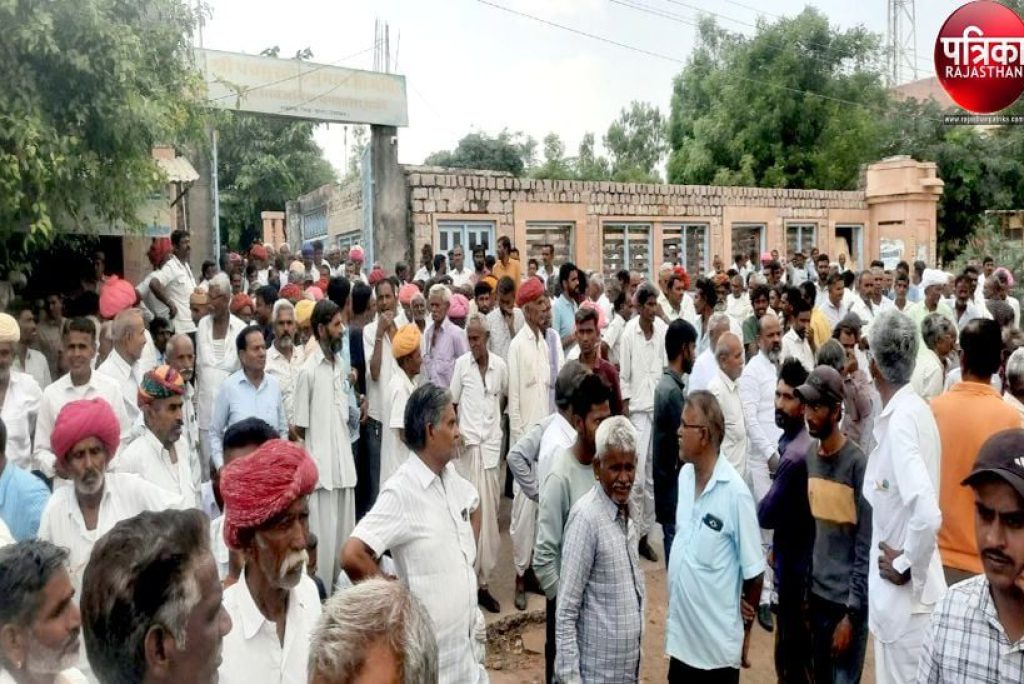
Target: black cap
{"x": 824, "y": 386}
{"x": 1002, "y": 456}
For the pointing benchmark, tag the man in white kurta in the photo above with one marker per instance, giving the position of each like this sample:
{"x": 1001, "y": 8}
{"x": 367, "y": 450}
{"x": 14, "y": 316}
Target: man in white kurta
{"x": 729, "y": 354}
{"x": 407, "y": 350}
{"x": 321, "y": 419}
{"x": 530, "y": 384}
{"x": 122, "y": 363}
{"x": 642, "y": 358}
{"x": 162, "y": 454}
{"x": 284, "y": 358}
{"x": 479, "y": 387}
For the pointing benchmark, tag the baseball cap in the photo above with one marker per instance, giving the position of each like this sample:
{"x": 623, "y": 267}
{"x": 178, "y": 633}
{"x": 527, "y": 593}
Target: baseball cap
{"x": 824, "y": 386}
{"x": 1001, "y": 456}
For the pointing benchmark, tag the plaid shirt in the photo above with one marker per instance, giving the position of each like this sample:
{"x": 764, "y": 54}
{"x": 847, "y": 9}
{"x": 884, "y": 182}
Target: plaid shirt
{"x": 966, "y": 642}
{"x": 599, "y": 621}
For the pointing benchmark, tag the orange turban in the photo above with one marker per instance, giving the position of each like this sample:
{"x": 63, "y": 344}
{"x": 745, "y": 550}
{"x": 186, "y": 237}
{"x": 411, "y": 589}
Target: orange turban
{"x": 291, "y": 292}
{"x": 240, "y": 301}
{"x": 80, "y": 420}
{"x": 529, "y": 291}
{"x": 406, "y": 340}
{"x": 118, "y": 294}
{"x": 260, "y": 485}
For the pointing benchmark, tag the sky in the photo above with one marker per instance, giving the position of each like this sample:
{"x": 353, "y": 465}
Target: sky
{"x": 470, "y": 66}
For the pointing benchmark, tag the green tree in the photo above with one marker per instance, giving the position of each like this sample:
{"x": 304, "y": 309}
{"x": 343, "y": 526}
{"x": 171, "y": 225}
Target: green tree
{"x": 264, "y": 161}
{"x": 88, "y": 87}
{"x": 511, "y": 152}
{"x": 360, "y": 139}
{"x": 774, "y": 109}
{"x": 590, "y": 166}
{"x": 636, "y": 143}
{"x": 555, "y": 165}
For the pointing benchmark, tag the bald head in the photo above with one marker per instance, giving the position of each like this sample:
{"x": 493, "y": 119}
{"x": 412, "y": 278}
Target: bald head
{"x": 729, "y": 354}
{"x": 180, "y": 355}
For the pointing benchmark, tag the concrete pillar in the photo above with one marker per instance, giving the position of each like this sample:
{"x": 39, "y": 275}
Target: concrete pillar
{"x": 902, "y": 195}
{"x": 392, "y": 232}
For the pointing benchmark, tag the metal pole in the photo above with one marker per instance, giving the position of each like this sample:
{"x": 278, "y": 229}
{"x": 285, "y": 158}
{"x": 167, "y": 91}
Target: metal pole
{"x": 215, "y": 182}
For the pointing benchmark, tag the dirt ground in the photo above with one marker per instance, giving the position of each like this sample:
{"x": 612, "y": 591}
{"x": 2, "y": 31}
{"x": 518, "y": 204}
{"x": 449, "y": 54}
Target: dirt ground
{"x": 515, "y": 649}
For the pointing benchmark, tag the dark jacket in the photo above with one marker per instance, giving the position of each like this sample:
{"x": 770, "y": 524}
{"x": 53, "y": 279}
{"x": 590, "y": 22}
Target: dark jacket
{"x": 669, "y": 397}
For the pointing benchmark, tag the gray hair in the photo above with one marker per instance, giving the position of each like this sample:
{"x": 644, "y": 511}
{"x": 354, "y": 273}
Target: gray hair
{"x": 832, "y": 354}
{"x": 615, "y": 433}
{"x": 597, "y": 279}
{"x": 153, "y": 553}
{"x": 715, "y": 332}
{"x": 1015, "y": 370}
{"x": 425, "y": 407}
{"x": 933, "y": 327}
{"x": 174, "y": 341}
{"x": 279, "y": 305}
{"x": 418, "y": 297}
{"x": 25, "y": 569}
{"x": 123, "y": 322}
{"x": 893, "y": 342}
{"x": 220, "y": 282}
{"x": 441, "y": 291}
{"x": 375, "y": 611}
{"x": 479, "y": 319}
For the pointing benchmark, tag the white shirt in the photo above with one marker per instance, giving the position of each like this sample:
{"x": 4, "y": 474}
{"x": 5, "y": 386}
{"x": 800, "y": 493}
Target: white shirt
{"x": 147, "y": 458}
{"x": 423, "y": 519}
{"x": 128, "y": 377}
{"x": 529, "y": 381}
{"x": 179, "y": 283}
{"x": 62, "y": 392}
{"x": 734, "y": 444}
{"x": 35, "y": 365}
{"x": 757, "y": 392}
{"x": 612, "y": 336}
{"x": 286, "y": 372}
{"x": 124, "y": 496}
{"x": 252, "y": 651}
{"x": 423, "y": 274}
{"x": 211, "y": 371}
{"x": 149, "y": 299}
{"x": 19, "y": 411}
{"x": 6, "y": 539}
{"x": 901, "y": 482}
{"x": 392, "y": 448}
{"x": 321, "y": 407}
{"x": 833, "y": 314}
{"x": 71, "y": 675}
{"x": 219, "y": 547}
{"x": 376, "y": 390}
{"x": 499, "y": 336}
{"x": 641, "y": 362}
{"x": 479, "y": 399}
{"x": 929, "y": 374}
{"x": 797, "y": 348}
{"x": 558, "y": 436}
{"x": 605, "y": 305}
{"x": 686, "y": 310}
{"x": 739, "y": 308}
{"x": 460, "y": 278}
{"x": 705, "y": 368}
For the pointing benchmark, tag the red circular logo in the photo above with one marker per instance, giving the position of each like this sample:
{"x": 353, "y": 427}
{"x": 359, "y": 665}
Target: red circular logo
{"x": 979, "y": 56}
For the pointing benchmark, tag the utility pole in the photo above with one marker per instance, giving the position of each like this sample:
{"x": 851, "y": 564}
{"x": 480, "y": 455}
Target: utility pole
{"x": 901, "y": 42}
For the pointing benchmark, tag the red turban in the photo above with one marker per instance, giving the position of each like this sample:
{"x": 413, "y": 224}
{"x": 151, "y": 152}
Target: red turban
{"x": 376, "y": 275}
{"x": 118, "y": 294}
{"x": 356, "y": 253}
{"x": 681, "y": 273}
{"x": 291, "y": 292}
{"x": 530, "y": 290}
{"x": 240, "y": 301}
{"x": 82, "y": 419}
{"x": 258, "y": 252}
{"x": 261, "y": 485}
{"x": 159, "y": 250}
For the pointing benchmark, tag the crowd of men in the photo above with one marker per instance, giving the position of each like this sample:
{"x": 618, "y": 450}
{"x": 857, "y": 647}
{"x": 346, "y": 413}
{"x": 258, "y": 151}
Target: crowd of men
{"x": 205, "y": 479}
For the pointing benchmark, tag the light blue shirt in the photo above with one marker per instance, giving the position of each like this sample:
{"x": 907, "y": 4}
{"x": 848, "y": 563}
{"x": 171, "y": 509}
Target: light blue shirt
{"x": 564, "y": 312}
{"x": 717, "y": 546}
{"x": 237, "y": 400}
{"x": 23, "y": 497}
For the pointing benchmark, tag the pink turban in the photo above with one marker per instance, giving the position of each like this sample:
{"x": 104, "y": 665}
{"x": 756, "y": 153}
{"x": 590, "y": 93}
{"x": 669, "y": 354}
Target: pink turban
{"x": 356, "y": 254}
{"x": 234, "y": 258}
{"x": 532, "y": 289}
{"x": 260, "y": 485}
{"x": 459, "y": 306}
{"x": 314, "y": 293}
{"x": 118, "y": 294}
{"x": 1009, "y": 275}
{"x": 80, "y": 420}
{"x": 407, "y": 292}
{"x": 766, "y": 257}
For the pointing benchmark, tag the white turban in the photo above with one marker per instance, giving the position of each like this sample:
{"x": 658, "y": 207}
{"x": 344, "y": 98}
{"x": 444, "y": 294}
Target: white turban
{"x": 9, "y": 330}
{"x": 933, "y": 276}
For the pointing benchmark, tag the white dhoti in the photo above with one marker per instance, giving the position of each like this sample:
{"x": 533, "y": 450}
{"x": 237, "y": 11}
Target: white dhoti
{"x": 641, "y": 497}
{"x": 471, "y": 466}
{"x": 332, "y": 516}
{"x": 760, "y": 482}
{"x": 896, "y": 662}
{"x": 522, "y": 529}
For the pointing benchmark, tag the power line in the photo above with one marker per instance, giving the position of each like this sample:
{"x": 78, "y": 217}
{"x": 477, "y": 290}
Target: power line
{"x": 677, "y": 60}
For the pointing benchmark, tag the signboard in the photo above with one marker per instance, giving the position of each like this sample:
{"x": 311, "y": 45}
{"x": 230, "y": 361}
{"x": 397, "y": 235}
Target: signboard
{"x": 890, "y": 252}
{"x": 304, "y": 90}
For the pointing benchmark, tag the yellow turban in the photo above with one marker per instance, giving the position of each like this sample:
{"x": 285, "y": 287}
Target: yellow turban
{"x": 304, "y": 311}
{"x": 9, "y": 330}
{"x": 406, "y": 340}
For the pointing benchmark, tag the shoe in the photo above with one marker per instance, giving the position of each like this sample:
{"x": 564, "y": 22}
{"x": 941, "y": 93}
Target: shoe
{"x": 646, "y": 551}
{"x": 520, "y": 593}
{"x": 531, "y": 583}
{"x": 764, "y": 617}
{"x": 488, "y": 602}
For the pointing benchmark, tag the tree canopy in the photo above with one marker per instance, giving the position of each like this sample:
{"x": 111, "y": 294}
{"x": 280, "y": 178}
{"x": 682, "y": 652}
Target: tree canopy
{"x": 511, "y": 152}
{"x": 88, "y": 87}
